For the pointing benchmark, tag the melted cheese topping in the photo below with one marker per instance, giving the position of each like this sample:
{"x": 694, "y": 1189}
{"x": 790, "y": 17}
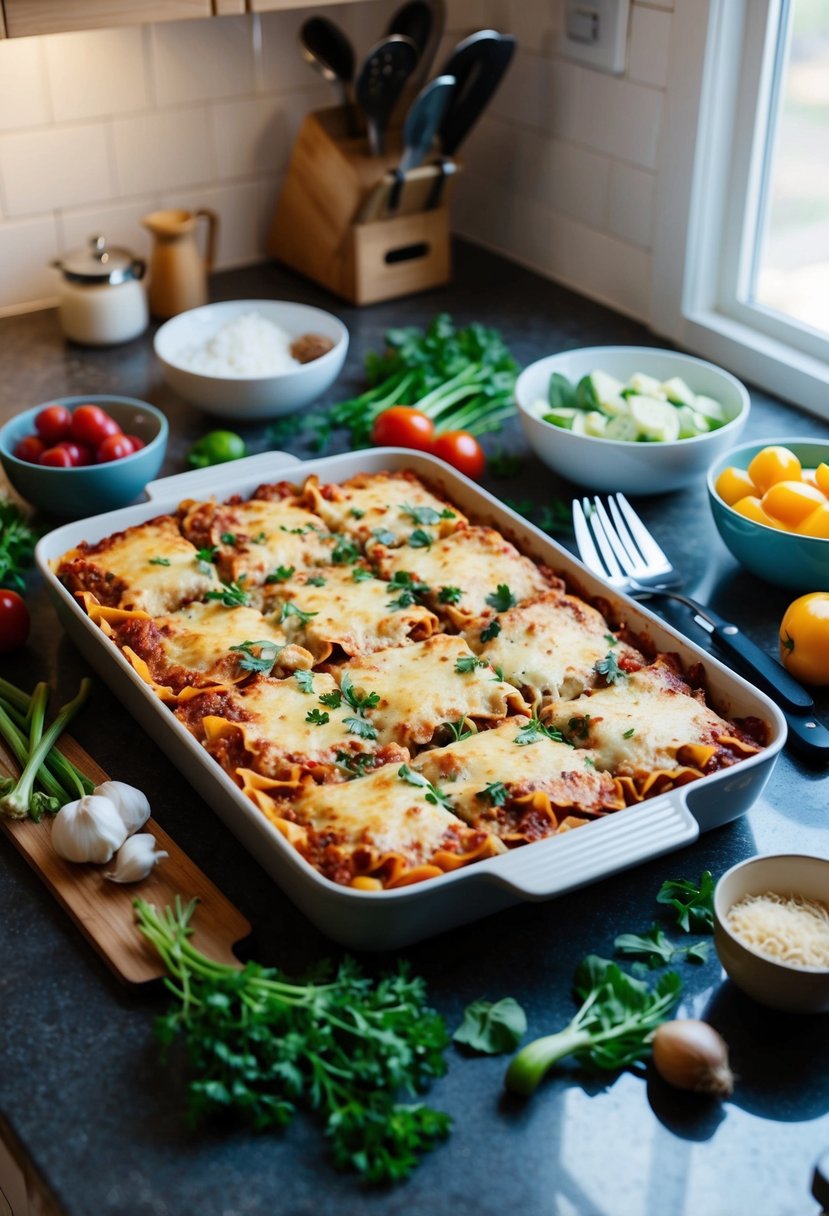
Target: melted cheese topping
{"x": 200, "y": 636}
{"x": 125, "y": 564}
{"x": 477, "y": 560}
{"x": 638, "y": 724}
{"x": 381, "y": 811}
{"x": 378, "y": 501}
{"x": 265, "y": 535}
{"x": 788, "y": 928}
{"x": 463, "y": 770}
{"x": 550, "y": 645}
{"x": 356, "y": 614}
{"x": 420, "y": 688}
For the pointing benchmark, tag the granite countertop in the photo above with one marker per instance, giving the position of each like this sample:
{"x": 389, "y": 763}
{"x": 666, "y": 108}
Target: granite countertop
{"x": 82, "y": 1093}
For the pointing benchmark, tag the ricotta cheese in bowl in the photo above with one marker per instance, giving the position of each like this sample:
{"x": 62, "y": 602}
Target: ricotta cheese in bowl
{"x": 248, "y": 345}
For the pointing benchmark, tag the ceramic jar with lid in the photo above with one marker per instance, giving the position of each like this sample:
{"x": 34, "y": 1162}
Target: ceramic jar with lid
{"x": 102, "y": 299}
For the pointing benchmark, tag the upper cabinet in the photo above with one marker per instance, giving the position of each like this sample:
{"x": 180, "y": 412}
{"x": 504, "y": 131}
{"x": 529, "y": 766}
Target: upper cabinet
{"x": 19, "y": 18}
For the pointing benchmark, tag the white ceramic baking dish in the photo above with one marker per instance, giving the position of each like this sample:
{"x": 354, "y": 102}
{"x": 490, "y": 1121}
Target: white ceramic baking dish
{"x": 385, "y": 920}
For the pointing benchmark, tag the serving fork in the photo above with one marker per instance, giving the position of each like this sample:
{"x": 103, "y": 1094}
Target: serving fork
{"x": 615, "y": 544}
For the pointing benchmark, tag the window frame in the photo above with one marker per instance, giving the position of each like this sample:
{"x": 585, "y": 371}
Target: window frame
{"x": 716, "y": 105}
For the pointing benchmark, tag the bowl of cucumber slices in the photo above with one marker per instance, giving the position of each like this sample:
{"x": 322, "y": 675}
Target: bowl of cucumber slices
{"x": 631, "y": 418}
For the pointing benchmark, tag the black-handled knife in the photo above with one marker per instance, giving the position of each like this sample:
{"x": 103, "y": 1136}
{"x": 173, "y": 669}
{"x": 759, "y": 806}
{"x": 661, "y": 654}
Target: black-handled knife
{"x": 807, "y": 736}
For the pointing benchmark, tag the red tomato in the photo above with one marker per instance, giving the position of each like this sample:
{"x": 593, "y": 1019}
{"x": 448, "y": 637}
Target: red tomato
{"x": 53, "y": 423}
{"x": 14, "y": 621}
{"x": 114, "y": 447}
{"x": 80, "y": 453}
{"x": 137, "y": 444}
{"x": 57, "y": 458}
{"x": 31, "y": 448}
{"x": 92, "y": 425}
{"x": 462, "y": 451}
{"x": 403, "y": 427}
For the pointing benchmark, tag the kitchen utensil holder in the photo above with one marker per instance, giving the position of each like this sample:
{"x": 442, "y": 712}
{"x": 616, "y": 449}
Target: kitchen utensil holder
{"x": 332, "y": 222}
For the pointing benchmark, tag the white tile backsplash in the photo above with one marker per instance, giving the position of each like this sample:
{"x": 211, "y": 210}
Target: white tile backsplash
{"x": 97, "y": 128}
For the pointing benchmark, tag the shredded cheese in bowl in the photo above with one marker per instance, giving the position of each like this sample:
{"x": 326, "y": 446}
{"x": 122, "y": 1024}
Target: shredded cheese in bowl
{"x": 786, "y": 928}
{"x": 249, "y": 345}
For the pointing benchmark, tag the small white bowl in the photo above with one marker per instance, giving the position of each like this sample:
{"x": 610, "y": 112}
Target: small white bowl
{"x": 776, "y": 984}
{"x": 634, "y": 468}
{"x": 250, "y": 398}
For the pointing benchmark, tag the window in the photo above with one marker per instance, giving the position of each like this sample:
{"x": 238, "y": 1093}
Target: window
{"x": 741, "y": 249}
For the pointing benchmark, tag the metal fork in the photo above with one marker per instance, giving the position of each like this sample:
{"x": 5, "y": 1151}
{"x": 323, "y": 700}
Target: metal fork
{"x": 615, "y": 544}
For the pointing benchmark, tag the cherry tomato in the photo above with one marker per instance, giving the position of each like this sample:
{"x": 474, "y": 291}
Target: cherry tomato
{"x": 92, "y": 425}
{"x": 137, "y": 444}
{"x": 53, "y": 423}
{"x": 31, "y": 448}
{"x": 14, "y": 621}
{"x": 403, "y": 427}
{"x": 57, "y": 458}
{"x": 114, "y": 447}
{"x": 80, "y": 453}
{"x": 804, "y": 638}
{"x": 462, "y": 451}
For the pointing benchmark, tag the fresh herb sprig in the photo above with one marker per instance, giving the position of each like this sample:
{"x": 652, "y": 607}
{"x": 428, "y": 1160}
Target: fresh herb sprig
{"x": 258, "y": 656}
{"x": 657, "y": 950}
{"x": 259, "y": 1046}
{"x": 692, "y": 902}
{"x": 492, "y": 1028}
{"x": 17, "y": 545}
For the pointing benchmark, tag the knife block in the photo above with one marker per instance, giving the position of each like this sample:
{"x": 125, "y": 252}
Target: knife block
{"x": 332, "y": 223}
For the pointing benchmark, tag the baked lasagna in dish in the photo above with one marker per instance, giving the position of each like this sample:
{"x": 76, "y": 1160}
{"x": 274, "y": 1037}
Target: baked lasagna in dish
{"x": 397, "y": 688}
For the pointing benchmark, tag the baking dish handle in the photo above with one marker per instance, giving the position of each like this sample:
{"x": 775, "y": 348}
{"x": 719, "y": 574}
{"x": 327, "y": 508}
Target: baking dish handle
{"x": 196, "y": 480}
{"x": 582, "y": 855}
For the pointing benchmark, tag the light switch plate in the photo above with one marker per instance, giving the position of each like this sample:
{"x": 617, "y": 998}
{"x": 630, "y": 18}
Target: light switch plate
{"x": 594, "y": 32}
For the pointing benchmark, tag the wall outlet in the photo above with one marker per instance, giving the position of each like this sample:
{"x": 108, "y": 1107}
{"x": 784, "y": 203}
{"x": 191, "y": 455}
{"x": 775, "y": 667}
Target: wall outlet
{"x": 594, "y": 32}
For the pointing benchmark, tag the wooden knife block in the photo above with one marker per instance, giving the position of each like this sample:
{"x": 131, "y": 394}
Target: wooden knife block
{"x": 332, "y": 222}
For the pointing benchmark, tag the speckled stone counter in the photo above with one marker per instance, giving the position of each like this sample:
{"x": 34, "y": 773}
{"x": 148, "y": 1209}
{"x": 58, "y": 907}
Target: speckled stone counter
{"x": 82, "y": 1093}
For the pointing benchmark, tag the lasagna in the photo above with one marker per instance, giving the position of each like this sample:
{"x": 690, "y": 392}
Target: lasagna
{"x": 397, "y": 688}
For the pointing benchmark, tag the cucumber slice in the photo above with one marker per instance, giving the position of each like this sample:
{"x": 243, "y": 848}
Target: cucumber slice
{"x": 646, "y": 386}
{"x": 608, "y": 392}
{"x": 595, "y": 423}
{"x": 691, "y": 422}
{"x": 562, "y": 417}
{"x": 677, "y": 391}
{"x": 579, "y": 426}
{"x": 712, "y": 410}
{"x": 622, "y": 427}
{"x": 655, "y": 419}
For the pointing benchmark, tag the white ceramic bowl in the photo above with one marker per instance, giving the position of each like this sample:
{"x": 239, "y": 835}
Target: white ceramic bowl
{"x": 776, "y": 984}
{"x": 634, "y": 468}
{"x": 250, "y": 397}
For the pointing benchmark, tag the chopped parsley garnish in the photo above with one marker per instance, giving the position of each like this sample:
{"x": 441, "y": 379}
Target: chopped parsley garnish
{"x": 360, "y": 574}
{"x": 383, "y": 536}
{"x": 290, "y": 609}
{"x": 355, "y": 763}
{"x": 498, "y": 678}
{"x": 359, "y": 701}
{"x": 459, "y": 730}
{"x": 410, "y": 589}
{"x": 205, "y": 559}
{"x": 360, "y": 727}
{"x": 228, "y": 538}
{"x": 356, "y": 513}
{"x": 305, "y": 680}
{"x": 345, "y": 551}
{"x": 433, "y": 794}
{"x": 426, "y": 515}
{"x": 317, "y": 717}
{"x": 159, "y": 561}
{"x": 332, "y": 699}
{"x": 299, "y": 531}
{"x": 259, "y": 539}
{"x": 628, "y": 734}
{"x": 496, "y": 792}
{"x": 420, "y": 539}
{"x": 281, "y": 574}
{"x": 232, "y": 595}
{"x": 316, "y": 580}
{"x": 611, "y": 640}
{"x": 468, "y": 662}
{"x": 491, "y": 630}
{"x": 535, "y": 730}
{"x": 609, "y": 668}
{"x": 502, "y": 599}
{"x": 258, "y": 656}
{"x": 449, "y": 595}
{"x": 589, "y": 762}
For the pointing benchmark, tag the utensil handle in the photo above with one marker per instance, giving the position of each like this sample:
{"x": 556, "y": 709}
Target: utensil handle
{"x": 767, "y": 672}
{"x": 808, "y": 737}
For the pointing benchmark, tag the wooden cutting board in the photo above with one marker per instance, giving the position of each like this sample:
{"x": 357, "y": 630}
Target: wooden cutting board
{"x": 103, "y": 910}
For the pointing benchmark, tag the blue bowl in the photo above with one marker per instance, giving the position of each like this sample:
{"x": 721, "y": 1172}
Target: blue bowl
{"x": 89, "y": 489}
{"x": 784, "y": 558}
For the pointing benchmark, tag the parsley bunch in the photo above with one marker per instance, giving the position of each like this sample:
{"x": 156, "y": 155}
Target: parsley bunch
{"x": 17, "y": 545}
{"x": 260, "y": 1047}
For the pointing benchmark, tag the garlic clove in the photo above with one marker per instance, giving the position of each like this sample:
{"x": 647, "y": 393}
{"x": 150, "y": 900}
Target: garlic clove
{"x": 131, "y": 803}
{"x": 89, "y": 829}
{"x": 136, "y": 858}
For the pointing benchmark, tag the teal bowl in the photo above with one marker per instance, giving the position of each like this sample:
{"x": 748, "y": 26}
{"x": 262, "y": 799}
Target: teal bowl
{"x": 784, "y": 558}
{"x": 89, "y": 489}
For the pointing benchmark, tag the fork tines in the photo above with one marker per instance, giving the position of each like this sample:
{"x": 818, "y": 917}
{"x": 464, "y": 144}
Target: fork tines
{"x": 615, "y": 543}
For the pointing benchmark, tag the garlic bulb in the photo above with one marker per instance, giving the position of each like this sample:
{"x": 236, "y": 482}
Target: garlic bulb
{"x": 136, "y": 858}
{"x": 89, "y": 829}
{"x": 131, "y": 803}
